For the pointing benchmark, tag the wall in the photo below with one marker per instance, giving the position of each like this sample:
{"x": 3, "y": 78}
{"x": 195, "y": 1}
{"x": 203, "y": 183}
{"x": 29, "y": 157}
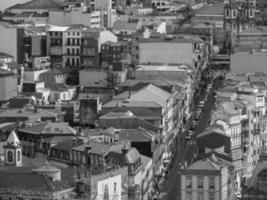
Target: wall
{"x": 93, "y": 78}
{"x": 8, "y": 41}
{"x": 166, "y": 53}
{"x": 33, "y": 75}
{"x": 8, "y": 87}
{"x": 244, "y": 62}
{"x": 205, "y": 190}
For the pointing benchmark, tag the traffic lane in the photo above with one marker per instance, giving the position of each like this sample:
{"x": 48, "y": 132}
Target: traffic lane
{"x": 209, "y": 105}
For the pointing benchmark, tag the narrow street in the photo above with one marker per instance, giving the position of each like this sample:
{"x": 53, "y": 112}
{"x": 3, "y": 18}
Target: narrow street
{"x": 170, "y": 187}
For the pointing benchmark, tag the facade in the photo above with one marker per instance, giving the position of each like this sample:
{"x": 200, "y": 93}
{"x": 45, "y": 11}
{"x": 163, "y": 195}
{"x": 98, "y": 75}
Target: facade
{"x": 241, "y": 62}
{"x": 208, "y": 178}
{"x": 13, "y": 151}
{"x": 11, "y": 38}
{"x": 239, "y": 15}
{"x": 113, "y": 52}
{"x": 8, "y": 82}
{"x": 92, "y": 40}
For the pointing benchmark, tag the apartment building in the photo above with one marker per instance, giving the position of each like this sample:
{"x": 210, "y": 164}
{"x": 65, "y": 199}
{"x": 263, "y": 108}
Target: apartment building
{"x": 208, "y": 177}
{"x": 57, "y": 39}
{"x": 73, "y": 45}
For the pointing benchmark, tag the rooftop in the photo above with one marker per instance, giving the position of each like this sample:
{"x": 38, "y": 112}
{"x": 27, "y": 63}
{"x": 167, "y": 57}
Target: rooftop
{"x": 203, "y": 165}
{"x": 122, "y": 25}
{"x": 5, "y": 55}
{"x": 60, "y": 128}
{"x": 212, "y": 9}
{"x": 38, "y": 4}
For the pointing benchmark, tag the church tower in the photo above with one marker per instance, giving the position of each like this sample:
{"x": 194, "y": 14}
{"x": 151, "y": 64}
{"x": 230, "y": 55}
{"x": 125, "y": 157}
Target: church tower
{"x": 12, "y": 150}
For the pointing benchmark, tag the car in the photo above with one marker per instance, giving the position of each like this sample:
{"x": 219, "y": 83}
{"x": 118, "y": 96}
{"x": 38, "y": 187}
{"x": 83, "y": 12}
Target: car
{"x": 202, "y": 102}
{"x": 238, "y": 195}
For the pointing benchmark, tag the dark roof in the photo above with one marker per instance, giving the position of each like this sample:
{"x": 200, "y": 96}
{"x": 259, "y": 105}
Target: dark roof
{"x": 217, "y": 154}
{"x": 26, "y": 182}
{"x": 39, "y": 4}
{"x": 19, "y": 102}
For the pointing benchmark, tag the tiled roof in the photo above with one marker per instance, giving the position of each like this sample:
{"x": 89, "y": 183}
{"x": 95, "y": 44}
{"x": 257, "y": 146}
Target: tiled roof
{"x": 144, "y": 113}
{"x": 60, "y": 128}
{"x": 203, "y": 165}
{"x": 5, "y": 55}
{"x": 147, "y": 104}
{"x": 136, "y": 135}
{"x": 38, "y": 4}
{"x": 122, "y": 25}
{"x": 149, "y": 92}
{"x": 55, "y": 72}
{"x": 60, "y": 87}
{"x": 99, "y": 148}
{"x": 215, "y": 9}
{"x": 26, "y": 182}
{"x": 15, "y": 113}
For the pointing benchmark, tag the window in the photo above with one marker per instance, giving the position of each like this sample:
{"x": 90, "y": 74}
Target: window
{"x": 234, "y": 13}
{"x": 211, "y": 196}
{"x": 18, "y": 156}
{"x": 10, "y": 156}
{"x": 189, "y": 182}
{"x": 212, "y": 186}
{"x": 200, "y": 182}
{"x": 188, "y": 196}
{"x": 200, "y": 196}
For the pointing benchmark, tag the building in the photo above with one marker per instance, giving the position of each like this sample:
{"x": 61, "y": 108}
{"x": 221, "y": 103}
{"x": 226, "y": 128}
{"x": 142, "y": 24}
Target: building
{"x": 255, "y": 186}
{"x": 101, "y": 78}
{"x": 209, "y": 177}
{"x": 57, "y": 44}
{"x": 54, "y": 76}
{"x": 36, "y": 136}
{"x": 113, "y": 52}
{"x": 92, "y": 39}
{"x": 125, "y": 29}
{"x": 8, "y": 82}
{"x": 13, "y": 151}
{"x": 171, "y": 50}
{"x": 29, "y": 114}
{"x": 210, "y": 14}
{"x": 239, "y": 15}
{"x": 242, "y": 62}
{"x": 11, "y": 39}
{"x": 252, "y": 38}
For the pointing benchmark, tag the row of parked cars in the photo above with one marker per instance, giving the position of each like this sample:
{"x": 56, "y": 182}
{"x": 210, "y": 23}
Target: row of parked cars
{"x": 199, "y": 109}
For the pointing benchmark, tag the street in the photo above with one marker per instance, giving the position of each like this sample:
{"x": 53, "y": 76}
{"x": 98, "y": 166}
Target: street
{"x": 170, "y": 189}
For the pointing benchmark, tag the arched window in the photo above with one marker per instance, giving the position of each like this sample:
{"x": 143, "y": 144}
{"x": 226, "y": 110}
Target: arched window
{"x": 18, "y": 156}
{"x": 9, "y": 156}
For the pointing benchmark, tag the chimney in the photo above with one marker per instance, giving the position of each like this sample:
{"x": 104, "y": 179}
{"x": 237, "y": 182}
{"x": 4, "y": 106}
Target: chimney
{"x": 125, "y": 148}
